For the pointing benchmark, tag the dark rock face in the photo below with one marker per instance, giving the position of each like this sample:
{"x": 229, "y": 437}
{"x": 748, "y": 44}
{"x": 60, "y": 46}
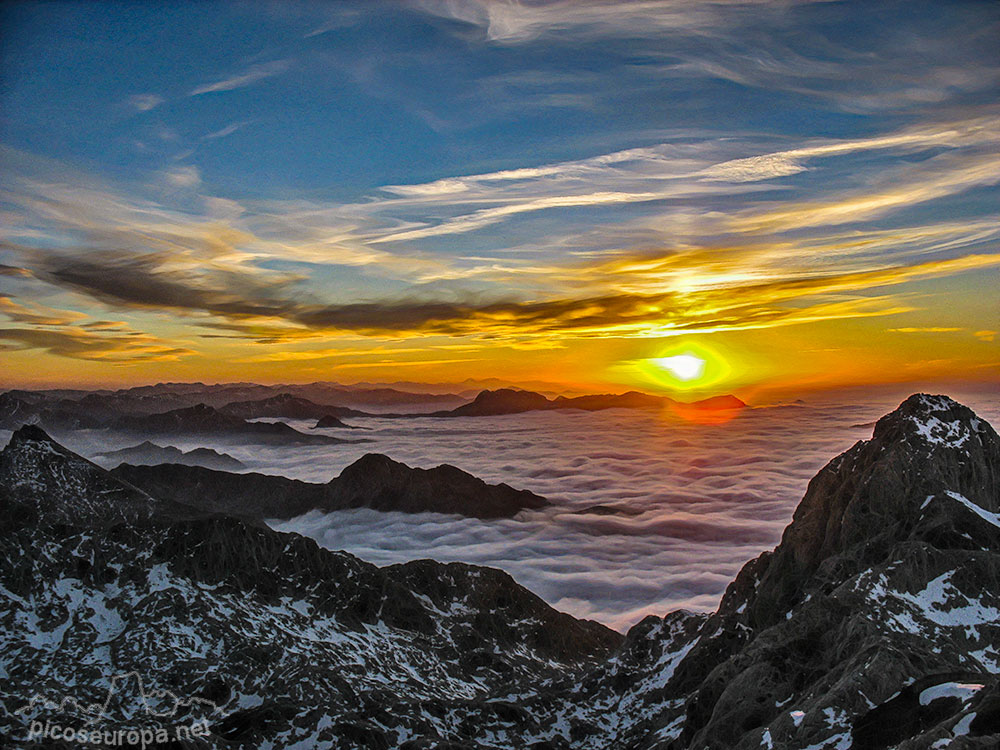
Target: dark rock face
{"x": 148, "y": 454}
{"x": 874, "y": 624}
{"x": 888, "y": 572}
{"x": 248, "y": 495}
{"x": 373, "y": 481}
{"x": 896, "y": 486}
{"x": 502, "y": 401}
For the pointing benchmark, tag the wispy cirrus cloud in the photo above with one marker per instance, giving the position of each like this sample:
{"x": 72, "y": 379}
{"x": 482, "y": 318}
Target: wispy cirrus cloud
{"x": 515, "y": 22}
{"x": 248, "y": 77}
{"x": 762, "y": 44}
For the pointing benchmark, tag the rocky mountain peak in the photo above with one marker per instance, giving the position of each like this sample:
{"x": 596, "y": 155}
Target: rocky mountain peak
{"x": 927, "y": 421}
{"x": 881, "y": 493}
{"x": 46, "y": 483}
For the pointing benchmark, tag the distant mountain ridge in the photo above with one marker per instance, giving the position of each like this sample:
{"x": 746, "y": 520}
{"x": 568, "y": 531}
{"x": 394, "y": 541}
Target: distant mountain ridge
{"x": 147, "y": 453}
{"x": 510, "y": 401}
{"x": 206, "y": 420}
{"x": 373, "y": 481}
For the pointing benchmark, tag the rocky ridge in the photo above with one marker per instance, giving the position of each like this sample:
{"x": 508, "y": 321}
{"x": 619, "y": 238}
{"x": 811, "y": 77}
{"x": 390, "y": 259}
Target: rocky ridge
{"x": 373, "y": 481}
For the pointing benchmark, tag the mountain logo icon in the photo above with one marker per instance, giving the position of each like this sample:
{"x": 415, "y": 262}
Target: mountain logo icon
{"x": 161, "y": 704}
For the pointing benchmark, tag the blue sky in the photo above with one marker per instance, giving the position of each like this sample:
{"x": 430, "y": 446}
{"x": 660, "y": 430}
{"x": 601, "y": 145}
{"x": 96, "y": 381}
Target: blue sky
{"x": 404, "y": 183}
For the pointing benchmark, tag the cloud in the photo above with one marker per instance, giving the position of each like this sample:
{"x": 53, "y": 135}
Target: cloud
{"x": 508, "y": 22}
{"x": 250, "y": 76}
{"x": 37, "y": 314}
{"x": 157, "y": 281}
{"x": 78, "y": 343}
{"x": 925, "y": 329}
{"x": 939, "y": 56}
{"x": 368, "y": 268}
{"x": 223, "y": 132}
{"x": 145, "y": 102}
{"x": 182, "y": 176}
{"x": 699, "y": 501}
{"x": 161, "y": 280}
{"x": 935, "y": 178}
{"x": 13, "y": 271}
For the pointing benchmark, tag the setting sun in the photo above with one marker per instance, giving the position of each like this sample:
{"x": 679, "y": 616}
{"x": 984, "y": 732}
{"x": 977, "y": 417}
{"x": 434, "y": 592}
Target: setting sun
{"x": 684, "y": 367}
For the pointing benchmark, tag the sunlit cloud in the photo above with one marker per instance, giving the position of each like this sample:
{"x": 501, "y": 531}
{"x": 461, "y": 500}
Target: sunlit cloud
{"x": 37, "y": 314}
{"x": 79, "y": 343}
{"x": 926, "y": 329}
{"x": 936, "y": 178}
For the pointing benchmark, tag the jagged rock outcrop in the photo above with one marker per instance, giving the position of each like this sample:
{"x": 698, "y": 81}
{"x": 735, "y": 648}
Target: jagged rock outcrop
{"x": 376, "y": 481}
{"x": 373, "y": 481}
{"x": 889, "y": 572}
{"x": 43, "y": 482}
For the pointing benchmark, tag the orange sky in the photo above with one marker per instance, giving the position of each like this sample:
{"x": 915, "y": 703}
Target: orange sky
{"x": 799, "y": 200}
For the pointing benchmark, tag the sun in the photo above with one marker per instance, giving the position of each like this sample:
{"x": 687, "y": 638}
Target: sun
{"x": 684, "y": 367}
{"x": 688, "y": 366}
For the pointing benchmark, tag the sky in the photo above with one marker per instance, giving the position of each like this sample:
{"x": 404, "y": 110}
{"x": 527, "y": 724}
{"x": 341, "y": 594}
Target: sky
{"x": 799, "y": 195}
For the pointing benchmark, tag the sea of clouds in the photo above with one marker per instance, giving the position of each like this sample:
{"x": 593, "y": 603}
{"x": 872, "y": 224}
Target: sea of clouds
{"x": 694, "y": 501}
{"x": 691, "y": 503}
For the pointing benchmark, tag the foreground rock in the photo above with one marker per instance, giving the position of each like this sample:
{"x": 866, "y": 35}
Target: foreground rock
{"x": 373, "y": 481}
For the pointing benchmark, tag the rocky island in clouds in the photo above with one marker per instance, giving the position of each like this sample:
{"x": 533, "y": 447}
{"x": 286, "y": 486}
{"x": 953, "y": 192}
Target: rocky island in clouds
{"x": 500, "y": 374}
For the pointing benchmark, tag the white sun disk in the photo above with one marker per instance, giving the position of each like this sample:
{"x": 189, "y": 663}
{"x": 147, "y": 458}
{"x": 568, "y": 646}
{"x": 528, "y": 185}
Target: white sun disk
{"x": 683, "y": 366}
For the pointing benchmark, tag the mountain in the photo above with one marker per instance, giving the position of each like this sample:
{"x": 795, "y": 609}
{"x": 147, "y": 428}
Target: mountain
{"x": 41, "y": 479}
{"x": 266, "y": 637}
{"x": 511, "y": 401}
{"x": 330, "y": 421}
{"x": 205, "y": 420}
{"x": 875, "y": 623}
{"x": 288, "y": 406}
{"x": 373, "y": 481}
{"x": 885, "y": 575}
{"x": 147, "y": 453}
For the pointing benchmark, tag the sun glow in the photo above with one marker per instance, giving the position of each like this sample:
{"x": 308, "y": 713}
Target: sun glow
{"x": 684, "y": 367}
{"x": 688, "y": 366}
